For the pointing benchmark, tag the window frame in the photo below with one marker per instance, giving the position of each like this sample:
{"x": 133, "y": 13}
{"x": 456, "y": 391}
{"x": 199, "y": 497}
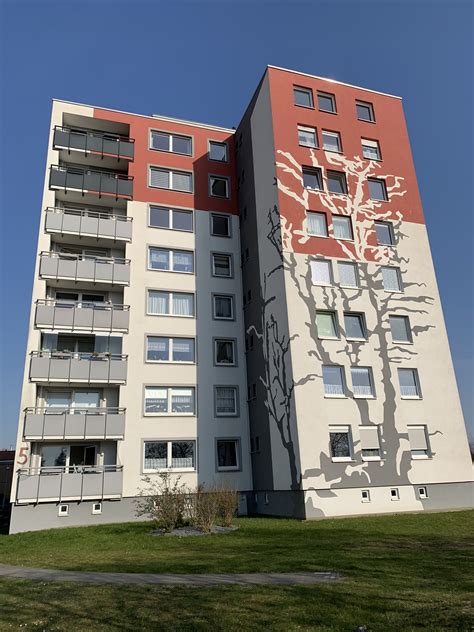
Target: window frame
{"x": 427, "y": 451}
{"x": 408, "y": 329}
{"x": 349, "y": 222}
{"x": 236, "y": 401}
{"x": 238, "y": 454}
{"x": 226, "y": 179}
{"x": 307, "y": 128}
{"x": 314, "y": 171}
{"x": 169, "y": 444}
{"x": 308, "y": 91}
{"x": 171, "y": 135}
{"x": 371, "y": 380}
{"x": 170, "y": 302}
{"x": 171, "y": 251}
{"x": 171, "y": 172}
{"x": 330, "y": 268}
{"x": 371, "y": 458}
{"x": 334, "y": 134}
{"x": 369, "y": 106}
{"x": 341, "y": 429}
{"x": 232, "y": 303}
{"x": 210, "y": 141}
{"x": 342, "y": 178}
{"x": 357, "y": 276}
{"x": 390, "y": 230}
{"x": 169, "y": 395}
{"x": 226, "y": 339}
{"x": 335, "y": 323}
{"x": 363, "y": 323}
{"x": 231, "y": 265}
{"x": 376, "y": 142}
{"x": 308, "y": 213}
{"x": 414, "y": 371}
{"x": 399, "y": 278}
{"x": 170, "y": 349}
{"x": 342, "y": 373}
{"x": 329, "y": 95}
{"x": 226, "y": 216}
{"x": 384, "y": 188}
{"x": 171, "y": 210}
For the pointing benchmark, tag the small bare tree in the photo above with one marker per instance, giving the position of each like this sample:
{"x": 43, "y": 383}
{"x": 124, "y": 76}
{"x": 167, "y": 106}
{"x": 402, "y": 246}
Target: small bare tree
{"x": 163, "y": 500}
{"x": 205, "y": 508}
{"x": 227, "y": 503}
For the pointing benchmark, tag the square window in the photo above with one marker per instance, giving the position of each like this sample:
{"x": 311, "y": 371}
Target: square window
{"x": 96, "y": 508}
{"x": 355, "y": 326}
{"x": 224, "y": 350}
{"x": 220, "y": 225}
{"x": 340, "y": 443}
{"x": 418, "y": 438}
{"x": 227, "y": 454}
{"x": 326, "y": 324}
{"x": 159, "y": 217}
{"x": 156, "y": 400}
{"x": 218, "y": 187}
{"x": 63, "y": 510}
{"x": 303, "y": 97}
{"x": 394, "y": 495}
{"x": 400, "y": 328}
{"x": 370, "y": 149}
{"x": 183, "y": 350}
{"x": 182, "y": 455}
{"x": 157, "y": 349}
{"x": 422, "y": 493}
{"x": 316, "y": 224}
{"x": 226, "y": 401}
{"x": 307, "y": 136}
{"x": 181, "y": 220}
{"x": 370, "y": 443}
{"x": 362, "y": 382}
{"x": 217, "y": 151}
{"x": 348, "y": 275}
{"x": 182, "y": 261}
{"x": 391, "y": 279}
{"x": 312, "y": 178}
{"x": 223, "y": 307}
{"x": 156, "y": 455}
{"x": 342, "y": 227}
{"x": 377, "y": 189}
{"x": 221, "y": 265}
{"x": 384, "y": 232}
{"x": 321, "y": 272}
{"x": 326, "y": 102}
{"x": 181, "y": 145}
{"x": 331, "y": 141}
{"x": 333, "y": 380}
{"x": 337, "y": 182}
{"x": 365, "y": 111}
{"x": 160, "y": 140}
{"x": 365, "y": 495}
{"x": 409, "y": 383}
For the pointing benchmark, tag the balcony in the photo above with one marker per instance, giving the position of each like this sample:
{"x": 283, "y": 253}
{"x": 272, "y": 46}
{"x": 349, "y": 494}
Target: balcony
{"x": 58, "y": 484}
{"x": 59, "y": 265}
{"x": 65, "y": 221}
{"x": 74, "y": 423}
{"x": 81, "y": 316}
{"x": 70, "y": 367}
{"x": 94, "y": 181}
{"x": 93, "y": 142}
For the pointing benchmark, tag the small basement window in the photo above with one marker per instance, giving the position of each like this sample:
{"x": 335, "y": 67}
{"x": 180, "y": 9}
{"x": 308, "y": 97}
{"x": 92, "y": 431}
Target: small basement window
{"x": 96, "y": 508}
{"x": 63, "y": 510}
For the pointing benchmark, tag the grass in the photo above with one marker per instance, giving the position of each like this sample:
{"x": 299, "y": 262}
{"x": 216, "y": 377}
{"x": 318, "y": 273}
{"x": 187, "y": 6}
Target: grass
{"x": 406, "y": 572}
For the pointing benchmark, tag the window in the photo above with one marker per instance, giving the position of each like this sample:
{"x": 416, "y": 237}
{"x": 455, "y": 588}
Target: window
{"x": 96, "y": 508}
{"x": 355, "y": 326}
{"x": 394, "y": 495}
{"x": 348, "y": 275}
{"x": 391, "y": 279}
{"x": 370, "y": 149}
{"x": 171, "y": 260}
{"x": 326, "y": 324}
{"x": 303, "y": 97}
{"x": 218, "y": 186}
{"x": 370, "y": 443}
{"x": 225, "y": 401}
{"x": 417, "y": 436}
{"x": 342, "y": 227}
{"x": 63, "y": 510}
{"x": 384, "y": 232}
{"x": 224, "y": 352}
{"x": 365, "y": 495}
{"x": 333, "y": 380}
{"x": 251, "y": 391}
{"x": 365, "y": 111}
{"x": 326, "y": 102}
{"x": 169, "y": 400}
{"x": 160, "y": 455}
{"x": 377, "y": 190}
{"x": 337, "y": 182}
{"x": 331, "y": 141}
{"x": 174, "y": 143}
{"x": 422, "y": 493}
{"x": 312, "y": 178}
{"x": 321, "y": 272}
{"x": 221, "y": 265}
{"x": 227, "y": 454}
{"x": 307, "y": 136}
{"x": 400, "y": 328}
{"x": 163, "y": 303}
{"x": 169, "y": 179}
{"x": 362, "y": 383}
{"x": 161, "y": 349}
{"x": 173, "y": 218}
{"x": 217, "y": 151}
{"x": 316, "y": 224}
{"x": 340, "y": 443}
{"x": 223, "y": 307}
{"x": 220, "y": 225}
{"x": 409, "y": 383}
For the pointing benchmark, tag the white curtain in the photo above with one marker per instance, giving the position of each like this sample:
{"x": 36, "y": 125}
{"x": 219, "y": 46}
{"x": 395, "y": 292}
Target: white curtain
{"x": 226, "y": 400}
{"x": 342, "y": 227}
{"x": 183, "y": 304}
{"x": 361, "y": 381}
{"x": 317, "y": 224}
{"x": 332, "y": 378}
{"x": 158, "y": 302}
{"x": 321, "y": 272}
{"x": 183, "y": 261}
{"x": 159, "y": 259}
{"x": 391, "y": 279}
{"x": 347, "y": 274}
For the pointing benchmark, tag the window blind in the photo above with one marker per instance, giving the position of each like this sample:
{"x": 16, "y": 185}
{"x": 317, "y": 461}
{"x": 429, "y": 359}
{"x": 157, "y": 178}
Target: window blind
{"x": 417, "y": 437}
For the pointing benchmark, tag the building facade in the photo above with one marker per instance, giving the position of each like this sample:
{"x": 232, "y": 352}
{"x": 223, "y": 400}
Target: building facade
{"x": 254, "y": 306}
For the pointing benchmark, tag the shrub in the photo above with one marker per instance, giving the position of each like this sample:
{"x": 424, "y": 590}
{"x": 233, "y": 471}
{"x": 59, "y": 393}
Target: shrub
{"x": 205, "y": 508}
{"x": 164, "y": 501}
{"x": 227, "y": 503}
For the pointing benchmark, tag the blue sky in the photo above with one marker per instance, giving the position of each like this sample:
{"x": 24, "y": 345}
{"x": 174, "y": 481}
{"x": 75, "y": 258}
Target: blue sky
{"x": 202, "y": 61}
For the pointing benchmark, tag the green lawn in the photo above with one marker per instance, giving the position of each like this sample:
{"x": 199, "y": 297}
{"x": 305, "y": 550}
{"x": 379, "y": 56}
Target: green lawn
{"x": 403, "y": 572}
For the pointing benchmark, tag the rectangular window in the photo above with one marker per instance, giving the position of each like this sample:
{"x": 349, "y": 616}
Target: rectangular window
{"x": 174, "y": 143}
{"x": 331, "y": 141}
{"x": 362, "y": 382}
{"x": 303, "y": 97}
{"x": 163, "y": 349}
{"x": 223, "y": 307}
{"x": 326, "y": 324}
{"x": 316, "y": 224}
{"x": 217, "y": 151}
{"x": 370, "y": 443}
{"x": 160, "y": 455}
{"x": 422, "y": 493}
{"x": 342, "y": 227}
{"x": 340, "y": 443}
{"x": 227, "y": 454}
{"x": 348, "y": 275}
{"x": 409, "y": 383}
{"x": 172, "y": 218}
{"x": 333, "y": 379}
{"x": 365, "y": 495}
{"x": 337, "y": 182}
{"x": 218, "y": 186}
{"x": 312, "y": 178}
{"x": 220, "y": 225}
{"x": 170, "y": 179}
{"x": 326, "y": 102}
{"x": 224, "y": 352}
{"x": 394, "y": 495}
{"x": 365, "y": 111}
{"x": 391, "y": 279}
{"x": 418, "y": 442}
{"x": 221, "y": 265}
{"x": 164, "y": 303}
{"x": 169, "y": 400}
{"x": 321, "y": 272}
{"x": 225, "y": 401}
{"x": 384, "y": 232}
{"x": 171, "y": 260}
{"x": 370, "y": 149}
{"x": 307, "y": 136}
{"x": 400, "y": 328}
{"x": 355, "y": 326}
{"x": 377, "y": 189}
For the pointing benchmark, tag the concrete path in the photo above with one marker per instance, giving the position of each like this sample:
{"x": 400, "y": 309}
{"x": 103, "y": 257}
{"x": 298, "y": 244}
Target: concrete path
{"x": 217, "y": 579}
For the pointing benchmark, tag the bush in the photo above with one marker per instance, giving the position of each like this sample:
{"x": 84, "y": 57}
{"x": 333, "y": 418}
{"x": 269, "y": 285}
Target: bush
{"x": 164, "y": 501}
{"x": 205, "y": 508}
{"x": 227, "y": 503}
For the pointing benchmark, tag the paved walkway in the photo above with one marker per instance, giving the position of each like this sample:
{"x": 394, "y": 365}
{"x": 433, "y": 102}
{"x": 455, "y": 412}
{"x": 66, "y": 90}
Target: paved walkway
{"x": 217, "y": 579}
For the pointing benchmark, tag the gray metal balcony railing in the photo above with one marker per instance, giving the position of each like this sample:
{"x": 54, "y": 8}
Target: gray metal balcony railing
{"x": 94, "y": 142}
{"x": 58, "y": 484}
{"x": 88, "y": 224}
{"x": 59, "y": 265}
{"x": 87, "y": 180}
{"x": 69, "y": 367}
{"x": 73, "y": 423}
{"x": 81, "y": 316}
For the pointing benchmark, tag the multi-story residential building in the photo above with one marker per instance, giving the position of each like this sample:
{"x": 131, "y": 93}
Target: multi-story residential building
{"x": 256, "y": 306}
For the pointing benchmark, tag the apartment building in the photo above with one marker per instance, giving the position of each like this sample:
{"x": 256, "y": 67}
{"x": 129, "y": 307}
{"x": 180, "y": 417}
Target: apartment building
{"x": 254, "y": 306}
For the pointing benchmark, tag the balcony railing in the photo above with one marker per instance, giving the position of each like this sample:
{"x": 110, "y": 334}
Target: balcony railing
{"x": 93, "y": 142}
{"x": 57, "y": 484}
{"x": 69, "y": 367}
{"x": 91, "y": 181}
{"x": 74, "y": 423}
{"x": 88, "y": 224}
{"x": 81, "y": 316}
{"x": 59, "y": 265}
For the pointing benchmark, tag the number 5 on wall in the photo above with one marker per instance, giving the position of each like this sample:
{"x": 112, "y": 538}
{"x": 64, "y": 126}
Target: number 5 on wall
{"x": 22, "y": 456}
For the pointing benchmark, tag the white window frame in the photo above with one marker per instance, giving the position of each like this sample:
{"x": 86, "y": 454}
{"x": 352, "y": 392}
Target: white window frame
{"x": 228, "y": 217}
{"x": 341, "y": 429}
{"x": 169, "y": 395}
{"x": 428, "y": 453}
{"x": 308, "y": 214}
{"x": 417, "y": 383}
{"x": 408, "y": 328}
{"x": 369, "y": 458}
{"x": 337, "y": 135}
{"x": 390, "y": 230}
{"x": 232, "y": 305}
{"x": 63, "y": 510}
{"x": 422, "y": 492}
{"x": 219, "y": 177}
{"x": 171, "y": 252}
{"x": 373, "y": 144}
{"x": 355, "y": 267}
{"x": 233, "y": 341}
{"x": 169, "y": 449}
{"x": 217, "y": 142}
{"x": 231, "y": 265}
{"x": 171, "y": 210}
{"x": 335, "y": 322}
{"x": 331, "y": 273}
{"x": 170, "y": 135}
{"x": 171, "y": 174}
{"x": 96, "y": 508}
{"x": 311, "y": 130}
{"x": 371, "y": 380}
{"x": 313, "y": 170}
{"x": 342, "y": 373}
{"x": 349, "y": 223}
{"x": 330, "y": 96}
{"x": 365, "y": 495}
{"x": 399, "y": 277}
{"x": 236, "y": 400}
{"x": 170, "y": 303}
{"x": 170, "y": 349}
{"x": 394, "y": 494}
